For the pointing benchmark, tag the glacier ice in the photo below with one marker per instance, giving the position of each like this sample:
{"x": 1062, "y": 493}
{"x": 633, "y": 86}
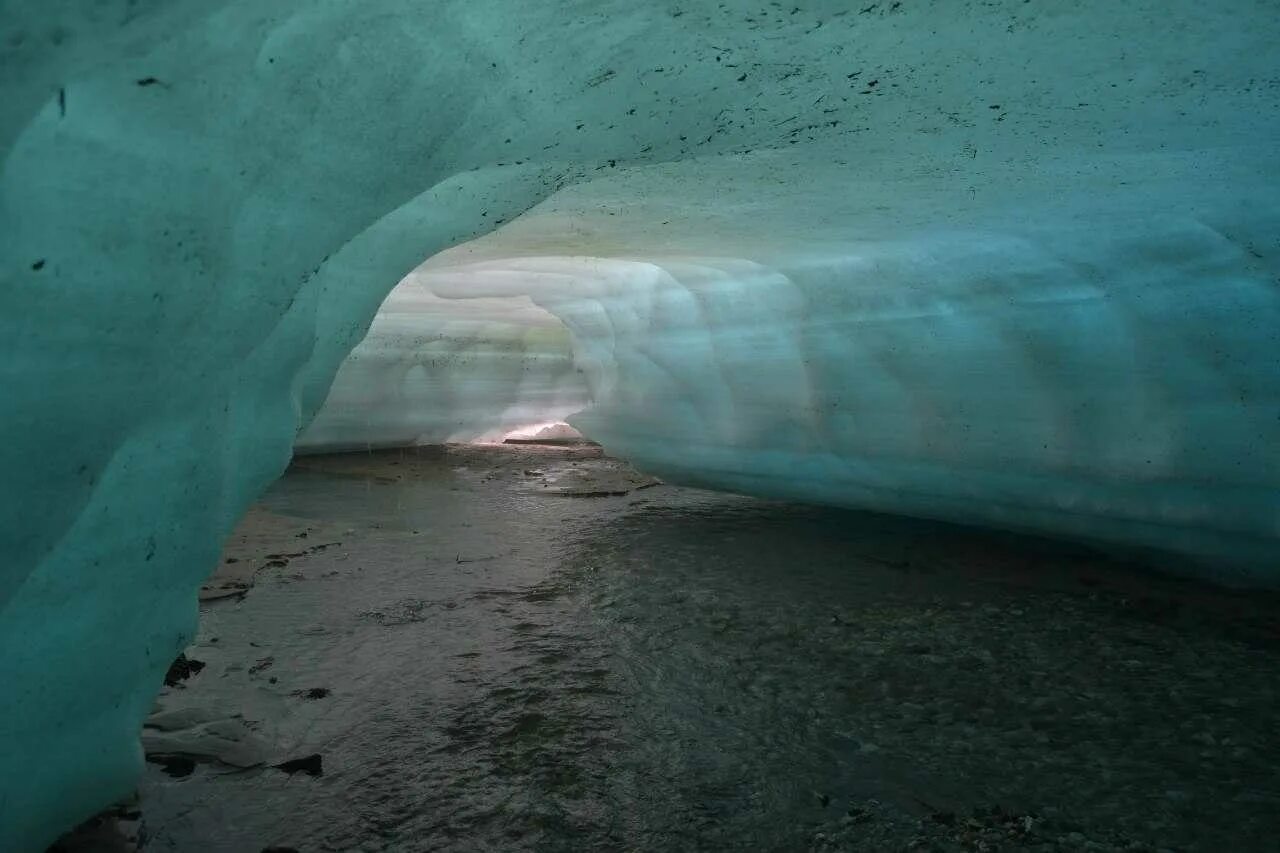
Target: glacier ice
{"x": 1002, "y": 263}
{"x": 431, "y": 370}
{"x": 1094, "y": 375}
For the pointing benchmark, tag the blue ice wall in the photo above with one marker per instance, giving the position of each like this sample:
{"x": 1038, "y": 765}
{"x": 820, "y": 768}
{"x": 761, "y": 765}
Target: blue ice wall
{"x": 202, "y": 205}
{"x": 1112, "y": 385}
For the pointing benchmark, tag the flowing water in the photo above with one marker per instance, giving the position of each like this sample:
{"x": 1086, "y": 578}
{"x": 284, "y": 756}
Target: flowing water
{"x": 486, "y": 662}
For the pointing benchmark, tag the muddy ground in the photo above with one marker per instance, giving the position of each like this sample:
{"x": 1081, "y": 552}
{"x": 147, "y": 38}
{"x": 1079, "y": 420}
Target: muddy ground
{"x": 529, "y": 648}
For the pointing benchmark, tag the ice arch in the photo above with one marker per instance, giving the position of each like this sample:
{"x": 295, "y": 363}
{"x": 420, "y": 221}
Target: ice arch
{"x": 203, "y": 204}
{"x": 432, "y": 370}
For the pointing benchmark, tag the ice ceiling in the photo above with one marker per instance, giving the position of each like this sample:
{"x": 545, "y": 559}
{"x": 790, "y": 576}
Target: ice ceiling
{"x": 1002, "y": 262}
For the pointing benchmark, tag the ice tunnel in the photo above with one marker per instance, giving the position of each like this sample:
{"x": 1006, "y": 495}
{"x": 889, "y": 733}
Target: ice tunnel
{"x": 434, "y": 371}
{"x": 1008, "y": 264}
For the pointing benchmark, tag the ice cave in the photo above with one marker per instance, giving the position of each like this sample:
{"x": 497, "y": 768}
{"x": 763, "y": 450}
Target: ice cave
{"x": 917, "y": 371}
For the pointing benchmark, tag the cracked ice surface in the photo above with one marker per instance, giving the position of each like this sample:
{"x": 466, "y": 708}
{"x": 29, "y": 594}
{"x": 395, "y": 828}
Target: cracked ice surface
{"x": 1002, "y": 262}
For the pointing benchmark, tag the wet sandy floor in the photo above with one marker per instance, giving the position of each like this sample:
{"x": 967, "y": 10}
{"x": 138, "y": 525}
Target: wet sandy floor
{"x": 484, "y": 662}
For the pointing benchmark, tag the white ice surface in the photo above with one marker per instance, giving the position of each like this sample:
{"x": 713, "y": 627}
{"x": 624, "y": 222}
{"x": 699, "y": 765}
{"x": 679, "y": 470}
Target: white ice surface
{"x": 432, "y": 371}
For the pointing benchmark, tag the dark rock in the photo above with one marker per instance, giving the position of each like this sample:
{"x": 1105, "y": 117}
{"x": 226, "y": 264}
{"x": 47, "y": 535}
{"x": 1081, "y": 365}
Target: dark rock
{"x": 176, "y": 766}
{"x": 312, "y": 765}
{"x": 115, "y": 830}
{"x": 261, "y": 664}
{"x": 181, "y": 669}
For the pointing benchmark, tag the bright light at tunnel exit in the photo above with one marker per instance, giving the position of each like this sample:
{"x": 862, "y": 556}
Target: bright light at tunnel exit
{"x": 544, "y": 431}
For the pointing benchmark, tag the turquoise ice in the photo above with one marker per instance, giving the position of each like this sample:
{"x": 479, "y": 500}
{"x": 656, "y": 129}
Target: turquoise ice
{"x": 1003, "y": 263}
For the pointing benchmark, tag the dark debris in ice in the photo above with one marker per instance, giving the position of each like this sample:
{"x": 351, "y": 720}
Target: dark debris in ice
{"x": 181, "y": 669}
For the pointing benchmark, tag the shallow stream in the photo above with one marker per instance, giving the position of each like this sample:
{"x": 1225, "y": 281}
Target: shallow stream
{"x": 500, "y": 648}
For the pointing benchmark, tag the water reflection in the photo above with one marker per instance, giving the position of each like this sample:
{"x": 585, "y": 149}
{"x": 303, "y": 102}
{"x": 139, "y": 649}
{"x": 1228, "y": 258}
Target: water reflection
{"x": 672, "y": 670}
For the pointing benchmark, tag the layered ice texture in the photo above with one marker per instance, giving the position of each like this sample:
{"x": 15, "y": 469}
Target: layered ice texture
{"x": 1088, "y": 370}
{"x": 432, "y": 371}
{"x": 1003, "y": 263}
